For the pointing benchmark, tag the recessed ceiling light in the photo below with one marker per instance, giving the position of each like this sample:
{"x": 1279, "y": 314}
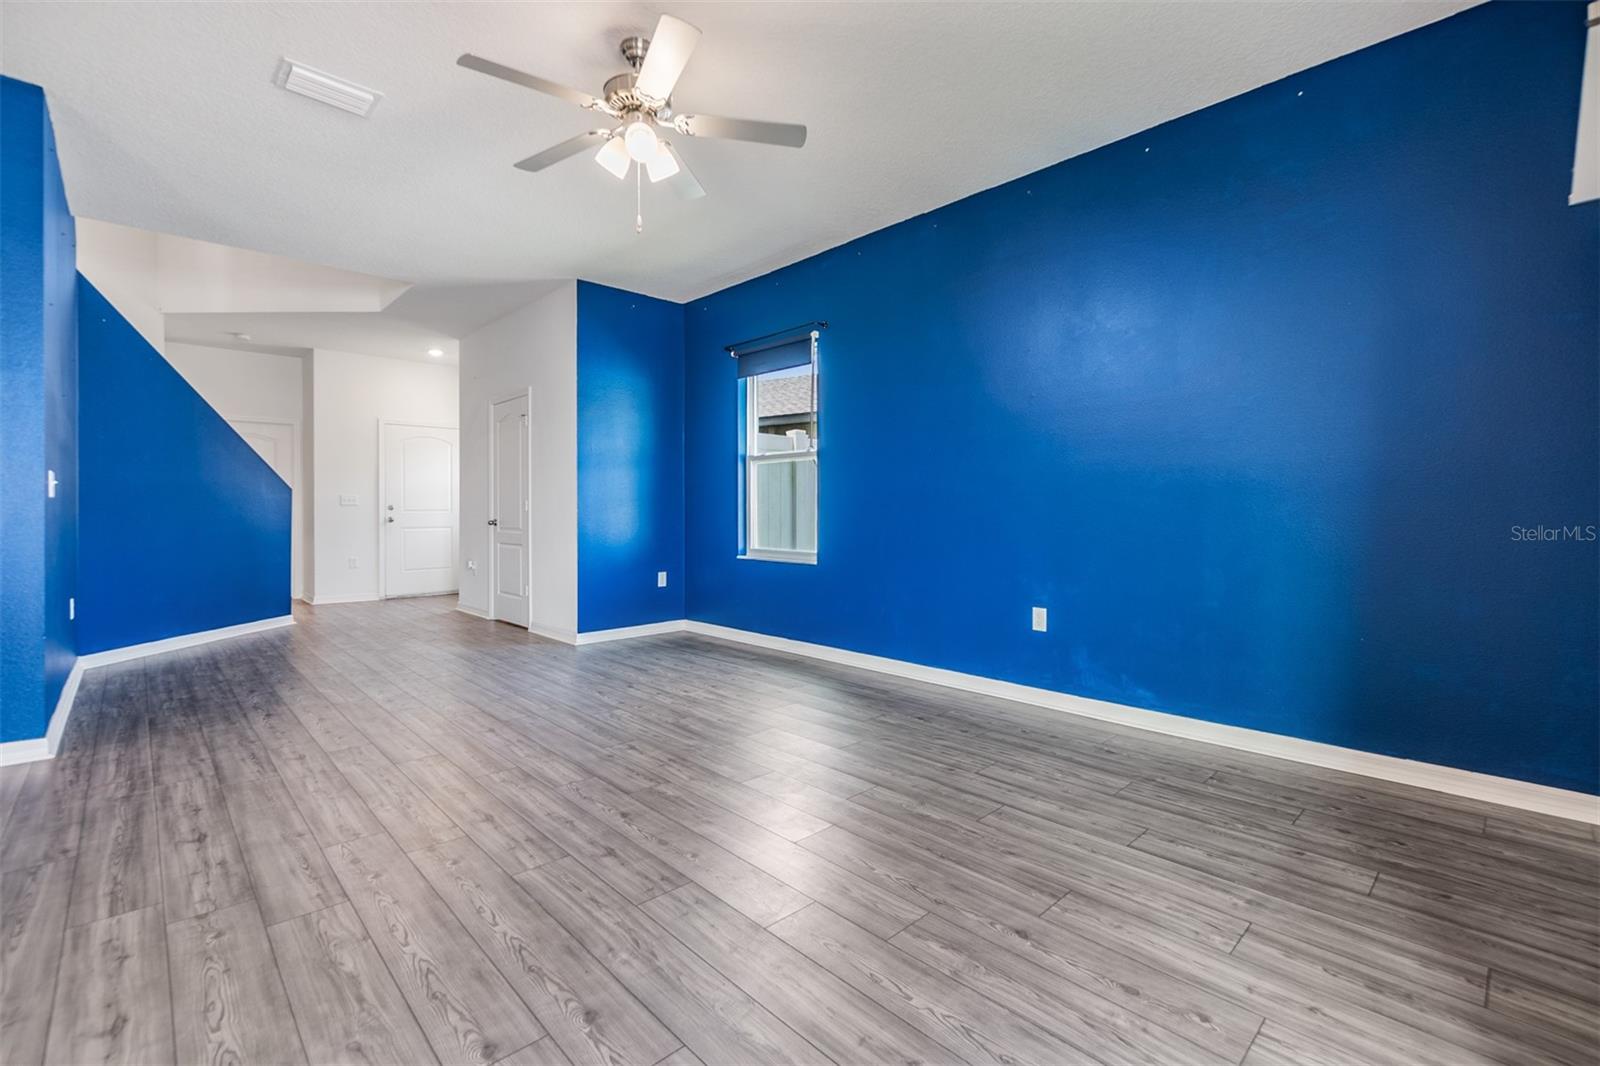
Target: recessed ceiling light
{"x": 436, "y": 352}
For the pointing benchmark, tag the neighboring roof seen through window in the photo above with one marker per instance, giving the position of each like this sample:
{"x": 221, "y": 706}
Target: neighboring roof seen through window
{"x": 784, "y": 393}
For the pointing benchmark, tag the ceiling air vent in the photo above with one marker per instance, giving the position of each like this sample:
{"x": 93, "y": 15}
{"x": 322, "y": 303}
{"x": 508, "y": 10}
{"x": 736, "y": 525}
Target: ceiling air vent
{"x": 320, "y": 85}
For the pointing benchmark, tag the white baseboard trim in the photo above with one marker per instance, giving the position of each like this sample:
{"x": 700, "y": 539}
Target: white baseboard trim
{"x": 45, "y": 747}
{"x": 14, "y": 752}
{"x": 64, "y": 704}
{"x": 650, "y": 629}
{"x": 565, "y": 636}
{"x": 593, "y": 636}
{"x": 1559, "y": 802}
{"x": 185, "y": 640}
{"x": 359, "y": 597}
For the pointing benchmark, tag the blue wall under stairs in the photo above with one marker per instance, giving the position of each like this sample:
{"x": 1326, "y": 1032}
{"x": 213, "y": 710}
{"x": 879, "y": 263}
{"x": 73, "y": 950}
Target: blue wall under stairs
{"x": 184, "y": 528}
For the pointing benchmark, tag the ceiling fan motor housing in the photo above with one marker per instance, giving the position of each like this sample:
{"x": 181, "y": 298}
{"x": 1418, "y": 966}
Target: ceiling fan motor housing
{"x": 623, "y": 99}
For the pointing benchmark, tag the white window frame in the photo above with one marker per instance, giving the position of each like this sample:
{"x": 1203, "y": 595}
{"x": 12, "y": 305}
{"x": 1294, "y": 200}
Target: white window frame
{"x": 752, "y": 420}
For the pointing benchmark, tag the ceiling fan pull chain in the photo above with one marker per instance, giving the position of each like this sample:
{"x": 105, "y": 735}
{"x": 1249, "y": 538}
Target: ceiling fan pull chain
{"x": 638, "y": 198}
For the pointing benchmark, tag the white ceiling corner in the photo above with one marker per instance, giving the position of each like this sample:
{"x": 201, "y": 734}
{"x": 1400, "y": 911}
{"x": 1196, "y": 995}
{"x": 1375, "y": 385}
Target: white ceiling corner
{"x": 167, "y": 119}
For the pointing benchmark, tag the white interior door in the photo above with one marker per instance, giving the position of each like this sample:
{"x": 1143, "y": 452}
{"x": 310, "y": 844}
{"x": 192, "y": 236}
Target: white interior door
{"x": 275, "y": 443}
{"x": 508, "y": 511}
{"x": 421, "y": 504}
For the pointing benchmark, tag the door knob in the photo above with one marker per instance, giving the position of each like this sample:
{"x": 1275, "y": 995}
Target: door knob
{"x": 494, "y": 521}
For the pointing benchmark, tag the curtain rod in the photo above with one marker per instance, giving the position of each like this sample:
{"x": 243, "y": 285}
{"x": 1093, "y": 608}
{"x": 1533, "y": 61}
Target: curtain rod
{"x": 768, "y": 340}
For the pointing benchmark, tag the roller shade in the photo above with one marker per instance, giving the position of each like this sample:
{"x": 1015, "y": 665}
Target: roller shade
{"x": 776, "y": 351}
{"x": 780, "y": 357}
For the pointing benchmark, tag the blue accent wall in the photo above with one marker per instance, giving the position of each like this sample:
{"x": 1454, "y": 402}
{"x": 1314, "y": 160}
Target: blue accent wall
{"x": 630, "y": 458}
{"x": 1253, "y": 402}
{"x": 183, "y": 527}
{"x": 38, "y": 428}
{"x": 61, "y": 428}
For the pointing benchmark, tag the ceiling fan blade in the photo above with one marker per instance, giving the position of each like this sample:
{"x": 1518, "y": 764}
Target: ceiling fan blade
{"x": 683, "y": 182}
{"x": 530, "y": 81}
{"x": 569, "y": 147}
{"x": 787, "y": 134}
{"x": 669, "y": 52}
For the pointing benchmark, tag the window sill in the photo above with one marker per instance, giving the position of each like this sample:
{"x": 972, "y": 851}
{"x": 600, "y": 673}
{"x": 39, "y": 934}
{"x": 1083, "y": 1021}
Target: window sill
{"x": 772, "y": 555}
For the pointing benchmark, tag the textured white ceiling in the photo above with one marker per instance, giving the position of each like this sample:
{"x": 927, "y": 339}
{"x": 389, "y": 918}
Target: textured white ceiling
{"x": 167, "y": 119}
{"x": 422, "y": 317}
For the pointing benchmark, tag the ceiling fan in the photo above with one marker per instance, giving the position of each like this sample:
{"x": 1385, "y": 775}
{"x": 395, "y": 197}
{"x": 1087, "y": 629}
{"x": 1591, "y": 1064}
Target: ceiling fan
{"x": 641, "y": 100}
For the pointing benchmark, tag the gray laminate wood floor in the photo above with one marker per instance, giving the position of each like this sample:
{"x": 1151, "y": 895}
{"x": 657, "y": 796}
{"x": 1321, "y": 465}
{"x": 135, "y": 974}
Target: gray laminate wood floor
{"x": 394, "y": 833}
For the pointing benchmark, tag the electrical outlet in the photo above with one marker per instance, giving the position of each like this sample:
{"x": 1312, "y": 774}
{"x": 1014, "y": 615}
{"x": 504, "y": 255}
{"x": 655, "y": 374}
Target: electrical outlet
{"x": 350, "y": 562}
{"x": 72, "y": 608}
{"x": 1041, "y": 621}
{"x": 661, "y": 579}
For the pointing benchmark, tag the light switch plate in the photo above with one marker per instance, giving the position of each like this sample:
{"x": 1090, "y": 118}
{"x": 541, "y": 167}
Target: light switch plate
{"x": 661, "y": 579}
{"x": 1040, "y": 620}
{"x": 347, "y": 499}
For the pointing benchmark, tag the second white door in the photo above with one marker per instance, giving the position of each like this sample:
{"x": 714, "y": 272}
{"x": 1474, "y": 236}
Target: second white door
{"x": 420, "y": 527}
{"x": 508, "y": 511}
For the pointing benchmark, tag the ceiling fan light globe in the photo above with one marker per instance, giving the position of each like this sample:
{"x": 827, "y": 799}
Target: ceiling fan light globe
{"x": 640, "y": 141}
{"x": 613, "y": 155}
{"x": 663, "y": 164}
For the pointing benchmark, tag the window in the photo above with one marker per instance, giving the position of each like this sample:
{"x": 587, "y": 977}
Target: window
{"x": 780, "y": 470}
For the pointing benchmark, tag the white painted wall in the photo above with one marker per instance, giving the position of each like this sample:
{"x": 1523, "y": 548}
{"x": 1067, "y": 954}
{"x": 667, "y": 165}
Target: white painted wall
{"x": 198, "y": 276}
{"x": 256, "y": 387}
{"x": 147, "y": 276}
{"x": 121, "y": 263}
{"x": 251, "y": 385}
{"x": 350, "y": 395}
{"x": 535, "y": 346}
{"x": 158, "y": 273}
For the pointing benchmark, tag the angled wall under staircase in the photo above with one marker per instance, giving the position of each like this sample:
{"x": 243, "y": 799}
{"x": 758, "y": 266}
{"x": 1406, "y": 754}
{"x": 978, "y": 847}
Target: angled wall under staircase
{"x": 183, "y": 527}
{"x": 123, "y": 495}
